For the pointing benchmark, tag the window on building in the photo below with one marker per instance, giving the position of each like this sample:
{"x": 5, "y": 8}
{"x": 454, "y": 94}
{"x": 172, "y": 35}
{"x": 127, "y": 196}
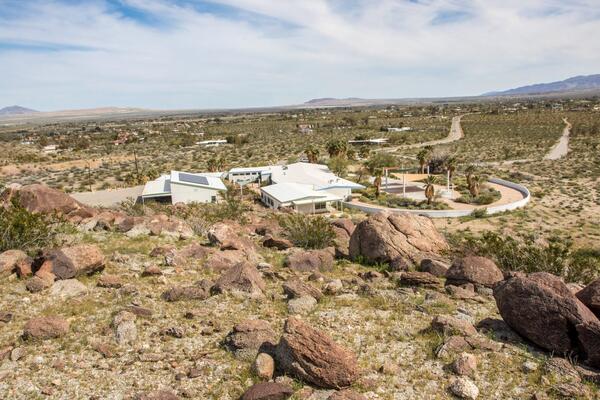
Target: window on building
{"x": 320, "y": 206}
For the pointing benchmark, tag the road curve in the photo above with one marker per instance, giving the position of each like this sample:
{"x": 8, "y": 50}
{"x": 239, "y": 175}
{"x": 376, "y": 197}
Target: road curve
{"x": 561, "y": 148}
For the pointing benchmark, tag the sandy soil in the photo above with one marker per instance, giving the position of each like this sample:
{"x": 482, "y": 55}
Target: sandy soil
{"x": 562, "y": 147}
{"x": 15, "y": 169}
{"x": 108, "y": 198}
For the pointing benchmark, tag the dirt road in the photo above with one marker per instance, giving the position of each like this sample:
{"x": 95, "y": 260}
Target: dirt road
{"x": 561, "y": 148}
{"x": 456, "y": 133}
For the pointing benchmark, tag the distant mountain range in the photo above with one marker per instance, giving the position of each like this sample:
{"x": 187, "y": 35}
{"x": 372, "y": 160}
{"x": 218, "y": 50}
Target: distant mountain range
{"x": 16, "y": 110}
{"x": 575, "y": 84}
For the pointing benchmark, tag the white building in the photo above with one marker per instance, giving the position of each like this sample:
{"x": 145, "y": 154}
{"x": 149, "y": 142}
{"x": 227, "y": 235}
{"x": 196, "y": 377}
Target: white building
{"x": 50, "y": 149}
{"x": 184, "y": 187}
{"x": 212, "y": 143}
{"x": 403, "y": 129}
{"x": 303, "y": 198}
{"x": 369, "y": 141}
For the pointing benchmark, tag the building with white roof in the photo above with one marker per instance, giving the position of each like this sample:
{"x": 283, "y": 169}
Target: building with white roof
{"x": 185, "y": 187}
{"x": 303, "y": 198}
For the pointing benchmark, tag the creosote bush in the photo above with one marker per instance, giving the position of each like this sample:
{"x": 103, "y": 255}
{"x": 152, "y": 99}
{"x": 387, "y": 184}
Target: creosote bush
{"x": 24, "y": 230}
{"x": 309, "y": 232}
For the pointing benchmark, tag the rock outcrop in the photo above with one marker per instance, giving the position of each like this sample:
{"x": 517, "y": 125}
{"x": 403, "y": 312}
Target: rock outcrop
{"x": 243, "y": 277}
{"x": 384, "y": 237}
{"x": 71, "y": 262}
{"x": 476, "y": 270}
{"x": 310, "y": 260}
{"x": 541, "y": 308}
{"x": 311, "y": 355}
{"x": 590, "y": 296}
{"x": 40, "y": 198}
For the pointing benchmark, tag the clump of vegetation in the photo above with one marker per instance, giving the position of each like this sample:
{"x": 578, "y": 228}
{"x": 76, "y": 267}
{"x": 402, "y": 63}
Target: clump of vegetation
{"x": 309, "y": 232}
{"x": 392, "y": 201}
{"x": 524, "y": 253}
{"x": 24, "y": 230}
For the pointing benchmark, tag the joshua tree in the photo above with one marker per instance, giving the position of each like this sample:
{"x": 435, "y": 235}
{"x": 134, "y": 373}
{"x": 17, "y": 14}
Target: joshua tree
{"x": 475, "y": 185}
{"x": 312, "y": 153}
{"x": 429, "y": 188}
{"x": 469, "y": 171}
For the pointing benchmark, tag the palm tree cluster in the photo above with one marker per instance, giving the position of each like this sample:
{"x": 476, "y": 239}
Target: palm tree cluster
{"x": 215, "y": 164}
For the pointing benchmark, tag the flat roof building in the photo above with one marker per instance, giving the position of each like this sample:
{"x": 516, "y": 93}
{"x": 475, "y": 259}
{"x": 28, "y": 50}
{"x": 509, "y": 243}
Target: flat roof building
{"x": 185, "y": 187}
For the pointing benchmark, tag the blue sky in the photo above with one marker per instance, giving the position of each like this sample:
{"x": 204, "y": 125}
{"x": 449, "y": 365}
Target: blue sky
{"x": 160, "y": 54}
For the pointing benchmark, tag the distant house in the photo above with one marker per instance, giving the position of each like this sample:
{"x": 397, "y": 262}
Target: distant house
{"x": 369, "y": 141}
{"x": 185, "y": 187}
{"x": 50, "y": 149}
{"x": 305, "y": 128}
{"x": 403, "y": 129}
{"x": 212, "y": 143}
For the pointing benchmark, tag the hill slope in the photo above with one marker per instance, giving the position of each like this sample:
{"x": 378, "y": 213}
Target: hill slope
{"x": 16, "y": 110}
{"x": 575, "y": 84}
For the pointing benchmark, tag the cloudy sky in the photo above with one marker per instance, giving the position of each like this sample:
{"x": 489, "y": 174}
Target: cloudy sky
{"x": 165, "y": 54}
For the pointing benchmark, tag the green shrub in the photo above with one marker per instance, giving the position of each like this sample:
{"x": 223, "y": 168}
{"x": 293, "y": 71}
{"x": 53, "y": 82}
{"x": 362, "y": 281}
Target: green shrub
{"x": 23, "y": 230}
{"x": 309, "y": 232}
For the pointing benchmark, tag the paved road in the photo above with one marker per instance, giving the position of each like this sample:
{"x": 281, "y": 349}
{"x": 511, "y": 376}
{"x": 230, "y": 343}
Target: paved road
{"x": 108, "y": 198}
{"x": 562, "y": 147}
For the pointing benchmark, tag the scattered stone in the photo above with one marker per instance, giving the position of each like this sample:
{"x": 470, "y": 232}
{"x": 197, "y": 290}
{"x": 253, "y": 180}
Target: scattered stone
{"x": 249, "y": 337}
{"x": 311, "y": 355}
{"x": 264, "y": 366}
{"x": 333, "y": 287}
{"x": 295, "y": 288}
{"x": 110, "y": 281}
{"x": 302, "y": 305}
{"x": 383, "y": 237}
{"x": 199, "y": 291}
{"x": 5, "y": 316}
{"x": 277, "y": 243}
{"x": 36, "y": 284}
{"x": 476, "y": 270}
{"x": 459, "y": 293}
{"x": 465, "y": 364}
{"x": 529, "y": 367}
{"x": 419, "y": 279}
{"x": 68, "y": 288}
{"x": 9, "y": 261}
{"x": 152, "y": 270}
{"x": 71, "y": 262}
{"x": 17, "y": 353}
{"x": 124, "y": 326}
{"x": 182, "y": 257}
{"x": 452, "y": 326}
{"x": 45, "y": 328}
{"x": 157, "y": 395}
{"x": 243, "y": 277}
{"x": 106, "y": 350}
{"x": 24, "y": 267}
{"x": 434, "y": 267}
{"x": 174, "y": 331}
{"x": 464, "y": 388}
{"x": 346, "y": 395}
{"x": 139, "y": 311}
{"x": 541, "y": 308}
{"x": 309, "y": 260}
{"x": 268, "y": 391}
{"x": 590, "y": 296}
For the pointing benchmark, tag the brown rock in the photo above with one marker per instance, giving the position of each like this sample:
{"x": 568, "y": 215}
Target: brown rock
{"x": 24, "y": 267}
{"x": 249, "y": 337}
{"x": 343, "y": 229}
{"x": 45, "y": 328}
{"x": 39, "y": 198}
{"x": 157, "y": 395}
{"x": 465, "y": 364}
{"x": 71, "y": 262}
{"x": 225, "y": 236}
{"x": 264, "y": 366}
{"x": 278, "y": 243}
{"x": 152, "y": 270}
{"x": 243, "y": 277}
{"x": 185, "y": 255}
{"x": 6, "y": 317}
{"x": 590, "y": 296}
{"x": 10, "y": 259}
{"x": 451, "y": 326}
{"x": 39, "y": 282}
{"x": 346, "y": 395}
{"x": 541, "y": 308}
{"x": 110, "y": 281}
{"x": 311, "y": 355}
{"x": 199, "y": 291}
{"x": 434, "y": 267}
{"x": 384, "y": 237}
{"x": 268, "y": 391}
{"x": 223, "y": 260}
{"x": 476, "y": 270}
{"x": 419, "y": 279}
{"x": 311, "y": 260}
{"x": 295, "y": 288}
{"x": 459, "y": 293}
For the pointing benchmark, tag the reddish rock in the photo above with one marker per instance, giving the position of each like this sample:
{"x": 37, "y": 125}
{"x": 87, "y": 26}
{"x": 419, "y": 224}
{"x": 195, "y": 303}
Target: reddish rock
{"x": 225, "y": 236}
{"x": 5, "y": 316}
{"x": 465, "y": 365}
{"x": 541, "y": 308}
{"x": 310, "y": 260}
{"x": 243, "y": 277}
{"x": 199, "y": 291}
{"x": 434, "y": 267}
{"x": 45, "y": 328}
{"x": 295, "y": 288}
{"x": 185, "y": 255}
{"x": 476, "y": 270}
{"x": 419, "y": 279}
{"x": 71, "y": 262}
{"x": 152, "y": 270}
{"x": 24, "y": 267}
{"x": 451, "y": 325}
{"x": 311, "y": 355}
{"x": 384, "y": 237}
{"x": 40, "y": 198}
{"x": 590, "y": 296}
{"x": 268, "y": 391}
{"x": 343, "y": 229}
{"x": 278, "y": 243}
{"x": 110, "y": 281}
{"x": 10, "y": 259}
{"x": 163, "y": 225}
{"x": 41, "y": 281}
{"x": 344, "y": 223}
{"x": 157, "y": 395}
{"x": 250, "y": 337}
{"x": 346, "y": 395}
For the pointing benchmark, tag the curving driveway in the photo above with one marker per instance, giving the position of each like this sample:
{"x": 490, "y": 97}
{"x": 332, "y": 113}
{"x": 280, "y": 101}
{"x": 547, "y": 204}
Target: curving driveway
{"x": 561, "y": 148}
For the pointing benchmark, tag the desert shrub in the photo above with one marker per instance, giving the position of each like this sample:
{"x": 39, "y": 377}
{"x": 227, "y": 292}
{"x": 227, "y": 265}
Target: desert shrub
{"x": 23, "y": 230}
{"x": 525, "y": 253}
{"x": 309, "y": 232}
{"x": 479, "y": 213}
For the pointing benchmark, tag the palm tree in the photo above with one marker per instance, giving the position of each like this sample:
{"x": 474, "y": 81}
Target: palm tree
{"x": 336, "y": 147}
{"x": 429, "y": 188}
{"x": 450, "y": 166}
{"x": 215, "y": 164}
{"x": 376, "y": 165}
{"x": 469, "y": 171}
{"x": 475, "y": 185}
{"x": 424, "y": 156}
{"x": 377, "y": 181}
{"x": 312, "y": 153}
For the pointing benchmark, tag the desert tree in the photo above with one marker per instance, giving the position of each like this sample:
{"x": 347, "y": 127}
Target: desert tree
{"x": 430, "y": 188}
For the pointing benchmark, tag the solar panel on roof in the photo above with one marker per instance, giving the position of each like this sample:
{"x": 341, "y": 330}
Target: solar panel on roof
{"x": 199, "y": 180}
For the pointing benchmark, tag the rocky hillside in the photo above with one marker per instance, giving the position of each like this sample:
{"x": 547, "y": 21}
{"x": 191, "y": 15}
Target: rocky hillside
{"x": 574, "y": 84}
{"x": 153, "y": 306}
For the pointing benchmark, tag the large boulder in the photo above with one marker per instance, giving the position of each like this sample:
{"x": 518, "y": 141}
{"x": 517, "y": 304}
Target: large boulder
{"x": 384, "y": 237}
{"x": 40, "y": 198}
{"x": 163, "y": 225}
{"x": 476, "y": 270}
{"x": 343, "y": 229}
{"x": 183, "y": 256}
{"x": 295, "y": 288}
{"x": 71, "y": 262}
{"x": 541, "y": 308}
{"x": 250, "y": 337}
{"x": 590, "y": 296}
{"x": 310, "y": 260}
{"x": 311, "y": 355}
{"x": 243, "y": 277}
{"x": 45, "y": 328}
{"x": 10, "y": 259}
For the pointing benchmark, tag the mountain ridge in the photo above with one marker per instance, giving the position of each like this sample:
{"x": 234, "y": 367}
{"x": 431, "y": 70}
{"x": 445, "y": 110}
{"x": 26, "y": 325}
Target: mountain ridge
{"x": 16, "y": 110}
{"x": 573, "y": 84}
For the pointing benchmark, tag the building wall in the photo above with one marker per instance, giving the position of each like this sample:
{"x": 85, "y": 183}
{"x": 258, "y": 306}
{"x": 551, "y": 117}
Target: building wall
{"x": 308, "y": 209}
{"x": 190, "y": 194}
{"x": 344, "y": 193}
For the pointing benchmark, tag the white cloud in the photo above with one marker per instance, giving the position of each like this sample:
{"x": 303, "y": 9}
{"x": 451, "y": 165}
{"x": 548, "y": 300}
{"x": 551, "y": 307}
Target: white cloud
{"x": 273, "y": 52}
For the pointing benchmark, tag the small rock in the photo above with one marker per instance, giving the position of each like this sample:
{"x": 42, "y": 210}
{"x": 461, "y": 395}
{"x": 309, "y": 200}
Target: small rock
{"x": 124, "y": 327}
{"x": 5, "y": 317}
{"x": 45, "y": 328}
{"x": 529, "y": 367}
{"x": 249, "y": 337}
{"x": 333, "y": 287}
{"x": 268, "y": 391}
{"x": 302, "y": 305}
{"x": 465, "y": 364}
{"x": 17, "y": 353}
{"x": 464, "y": 388}
{"x": 451, "y": 325}
{"x": 68, "y": 288}
{"x": 264, "y": 366}
{"x": 110, "y": 281}
{"x": 346, "y": 395}
{"x": 174, "y": 331}
{"x": 152, "y": 270}
{"x": 157, "y": 395}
